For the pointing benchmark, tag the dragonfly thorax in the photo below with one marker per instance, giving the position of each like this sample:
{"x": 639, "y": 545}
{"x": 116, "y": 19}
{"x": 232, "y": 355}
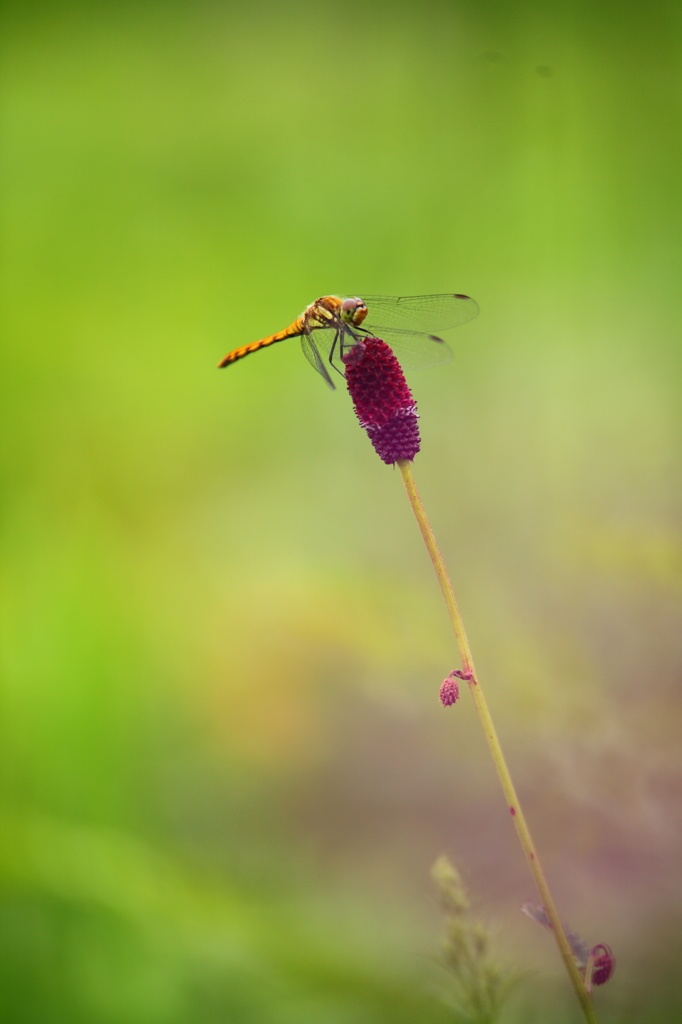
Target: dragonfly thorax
{"x": 353, "y": 311}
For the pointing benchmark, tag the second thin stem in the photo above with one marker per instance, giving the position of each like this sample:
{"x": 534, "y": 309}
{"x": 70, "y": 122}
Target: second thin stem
{"x": 469, "y": 673}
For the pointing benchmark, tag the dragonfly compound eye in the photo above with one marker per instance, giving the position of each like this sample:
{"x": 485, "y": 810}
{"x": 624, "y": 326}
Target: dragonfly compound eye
{"x": 353, "y": 311}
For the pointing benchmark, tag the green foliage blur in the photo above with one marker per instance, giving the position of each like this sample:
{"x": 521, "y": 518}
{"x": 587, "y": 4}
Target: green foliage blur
{"x": 224, "y": 769}
{"x": 478, "y": 987}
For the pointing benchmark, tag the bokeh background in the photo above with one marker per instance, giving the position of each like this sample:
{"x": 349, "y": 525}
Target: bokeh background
{"x": 225, "y": 771}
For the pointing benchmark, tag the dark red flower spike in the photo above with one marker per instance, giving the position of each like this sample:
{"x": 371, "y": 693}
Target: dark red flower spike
{"x": 383, "y": 402}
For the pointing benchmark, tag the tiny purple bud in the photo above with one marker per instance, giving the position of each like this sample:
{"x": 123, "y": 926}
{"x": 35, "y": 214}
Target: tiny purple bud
{"x": 383, "y": 402}
{"x": 449, "y": 691}
{"x": 604, "y": 963}
{"x": 599, "y": 962}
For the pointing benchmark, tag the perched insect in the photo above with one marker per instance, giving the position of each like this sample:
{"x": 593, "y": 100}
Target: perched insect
{"x": 330, "y": 326}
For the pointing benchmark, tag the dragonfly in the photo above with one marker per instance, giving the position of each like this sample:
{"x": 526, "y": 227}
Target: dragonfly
{"x": 331, "y": 325}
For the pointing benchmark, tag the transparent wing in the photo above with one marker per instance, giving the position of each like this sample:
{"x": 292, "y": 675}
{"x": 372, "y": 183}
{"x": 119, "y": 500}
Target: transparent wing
{"x": 416, "y": 351}
{"x": 322, "y": 349}
{"x": 317, "y": 345}
{"x": 417, "y": 313}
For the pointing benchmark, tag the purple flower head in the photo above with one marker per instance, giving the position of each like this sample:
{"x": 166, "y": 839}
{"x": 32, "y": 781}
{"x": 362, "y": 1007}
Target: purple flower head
{"x": 449, "y": 691}
{"x": 603, "y": 965}
{"x": 383, "y": 402}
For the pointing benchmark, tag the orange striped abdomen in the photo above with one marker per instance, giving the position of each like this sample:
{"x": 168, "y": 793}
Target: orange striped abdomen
{"x": 292, "y": 331}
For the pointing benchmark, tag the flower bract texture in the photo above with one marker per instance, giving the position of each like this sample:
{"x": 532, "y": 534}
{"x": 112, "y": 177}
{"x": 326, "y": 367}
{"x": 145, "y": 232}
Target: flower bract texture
{"x": 383, "y": 402}
{"x": 449, "y": 691}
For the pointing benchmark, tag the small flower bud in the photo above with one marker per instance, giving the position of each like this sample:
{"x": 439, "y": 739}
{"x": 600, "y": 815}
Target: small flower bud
{"x": 449, "y": 691}
{"x": 383, "y": 402}
{"x": 603, "y": 965}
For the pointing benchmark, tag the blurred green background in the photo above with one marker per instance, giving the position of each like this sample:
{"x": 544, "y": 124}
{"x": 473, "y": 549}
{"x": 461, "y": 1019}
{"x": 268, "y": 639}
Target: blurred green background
{"x": 225, "y": 771}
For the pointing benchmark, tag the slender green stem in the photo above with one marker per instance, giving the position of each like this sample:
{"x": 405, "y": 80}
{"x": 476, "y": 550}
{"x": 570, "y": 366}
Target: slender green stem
{"x": 469, "y": 673}
{"x": 589, "y": 967}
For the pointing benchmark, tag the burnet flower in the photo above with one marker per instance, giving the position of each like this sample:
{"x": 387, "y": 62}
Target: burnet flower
{"x": 383, "y": 401}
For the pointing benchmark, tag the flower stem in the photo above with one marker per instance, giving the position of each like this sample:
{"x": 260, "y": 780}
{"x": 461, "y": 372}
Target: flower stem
{"x": 469, "y": 673}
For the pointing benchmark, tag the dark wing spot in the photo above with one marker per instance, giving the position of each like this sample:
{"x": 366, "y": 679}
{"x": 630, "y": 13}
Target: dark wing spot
{"x": 462, "y": 296}
{"x": 434, "y": 337}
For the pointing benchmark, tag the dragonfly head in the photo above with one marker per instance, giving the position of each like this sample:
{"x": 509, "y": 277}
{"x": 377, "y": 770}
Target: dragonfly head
{"x": 353, "y": 311}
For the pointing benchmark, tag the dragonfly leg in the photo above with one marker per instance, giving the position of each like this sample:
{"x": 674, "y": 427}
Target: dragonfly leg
{"x": 346, "y": 345}
{"x": 333, "y": 349}
{"x": 338, "y": 341}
